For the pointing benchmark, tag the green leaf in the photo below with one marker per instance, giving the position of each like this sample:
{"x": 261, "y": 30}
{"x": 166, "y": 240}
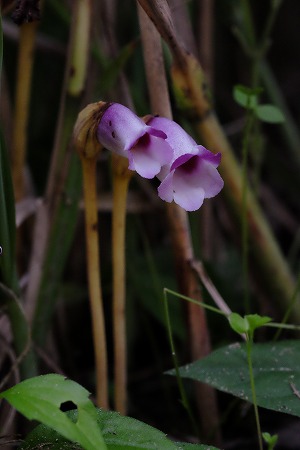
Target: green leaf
{"x": 238, "y": 323}
{"x": 188, "y": 446}
{"x": 119, "y": 433}
{"x": 246, "y": 97}
{"x": 276, "y": 369}
{"x": 270, "y": 440}
{"x": 40, "y": 398}
{"x": 269, "y": 113}
{"x": 257, "y": 321}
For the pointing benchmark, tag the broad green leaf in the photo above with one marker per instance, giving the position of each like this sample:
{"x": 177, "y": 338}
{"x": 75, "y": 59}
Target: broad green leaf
{"x": 186, "y": 446}
{"x": 119, "y": 433}
{"x": 269, "y": 113}
{"x": 276, "y": 369}
{"x": 246, "y": 96}
{"x": 40, "y": 398}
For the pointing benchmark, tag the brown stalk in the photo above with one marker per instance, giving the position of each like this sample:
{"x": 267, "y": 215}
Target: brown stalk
{"x": 21, "y": 112}
{"x": 179, "y": 225}
{"x": 121, "y": 178}
{"x": 192, "y": 94}
{"x": 94, "y": 278}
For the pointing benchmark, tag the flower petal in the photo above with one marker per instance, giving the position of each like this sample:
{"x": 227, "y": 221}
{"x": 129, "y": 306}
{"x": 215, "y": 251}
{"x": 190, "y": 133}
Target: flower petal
{"x": 190, "y": 182}
{"x": 211, "y": 180}
{"x": 213, "y": 158}
{"x": 165, "y": 189}
{"x": 200, "y": 173}
{"x": 186, "y": 195}
{"x": 120, "y": 128}
{"x": 149, "y": 155}
{"x": 177, "y": 137}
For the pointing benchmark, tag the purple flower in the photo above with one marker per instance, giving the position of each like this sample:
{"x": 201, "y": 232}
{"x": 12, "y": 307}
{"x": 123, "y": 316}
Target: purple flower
{"x": 146, "y": 148}
{"x": 192, "y": 174}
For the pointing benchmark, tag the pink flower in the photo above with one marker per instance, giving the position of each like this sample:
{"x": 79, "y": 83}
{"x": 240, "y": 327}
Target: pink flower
{"x": 192, "y": 174}
{"x": 146, "y": 148}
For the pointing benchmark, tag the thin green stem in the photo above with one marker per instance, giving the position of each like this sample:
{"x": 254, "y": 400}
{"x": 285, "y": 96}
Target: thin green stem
{"x": 183, "y": 395}
{"x": 258, "y": 48}
{"x": 191, "y": 300}
{"x": 244, "y": 218}
{"x": 248, "y": 24}
{"x": 283, "y": 326}
{"x": 253, "y": 390}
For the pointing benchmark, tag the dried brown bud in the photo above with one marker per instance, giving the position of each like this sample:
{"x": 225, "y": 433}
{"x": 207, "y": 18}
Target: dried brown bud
{"x": 85, "y": 129}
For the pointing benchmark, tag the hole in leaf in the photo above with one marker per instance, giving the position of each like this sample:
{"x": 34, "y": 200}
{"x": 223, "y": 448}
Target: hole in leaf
{"x": 67, "y": 406}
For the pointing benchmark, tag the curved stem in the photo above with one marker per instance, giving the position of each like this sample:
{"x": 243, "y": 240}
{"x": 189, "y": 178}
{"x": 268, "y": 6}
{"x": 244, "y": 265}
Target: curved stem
{"x": 94, "y": 279}
{"x": 121, "y": 178}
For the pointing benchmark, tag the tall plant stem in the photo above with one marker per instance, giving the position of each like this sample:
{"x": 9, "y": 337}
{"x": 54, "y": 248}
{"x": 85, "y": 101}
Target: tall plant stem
{"x": 94, "y": 279}
{"x": 180, "y": 232}
{"x": 21, "y": 113}
{"x": 191, "y": 92}
{"x": 121, "y": 178}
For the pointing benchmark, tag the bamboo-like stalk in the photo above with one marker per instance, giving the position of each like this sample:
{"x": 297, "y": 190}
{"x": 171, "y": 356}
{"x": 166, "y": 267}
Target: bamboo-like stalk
{"x": 22, "y": 100}
{"x": 121, "y": 178}
{"x": 180, "y": 230}
{"x": 192, "y": 95}
{"x": 94, "y": 278}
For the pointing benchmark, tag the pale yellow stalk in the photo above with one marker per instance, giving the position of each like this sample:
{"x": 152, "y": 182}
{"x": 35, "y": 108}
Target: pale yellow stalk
{"x": 121, "y": 178}
{"x": 22, "y": 100}
{"x": 94, "y": 279}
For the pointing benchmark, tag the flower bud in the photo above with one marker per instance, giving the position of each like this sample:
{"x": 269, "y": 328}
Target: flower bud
{"x": 85, "y": 130}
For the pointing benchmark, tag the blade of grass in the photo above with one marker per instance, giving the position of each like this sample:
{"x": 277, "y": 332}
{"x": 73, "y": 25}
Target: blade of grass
{"x": 10, "y": 286}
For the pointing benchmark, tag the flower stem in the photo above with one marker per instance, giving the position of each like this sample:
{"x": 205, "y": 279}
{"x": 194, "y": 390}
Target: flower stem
{"x": 121, "y": 178}
{"x": 94, "y": 279}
